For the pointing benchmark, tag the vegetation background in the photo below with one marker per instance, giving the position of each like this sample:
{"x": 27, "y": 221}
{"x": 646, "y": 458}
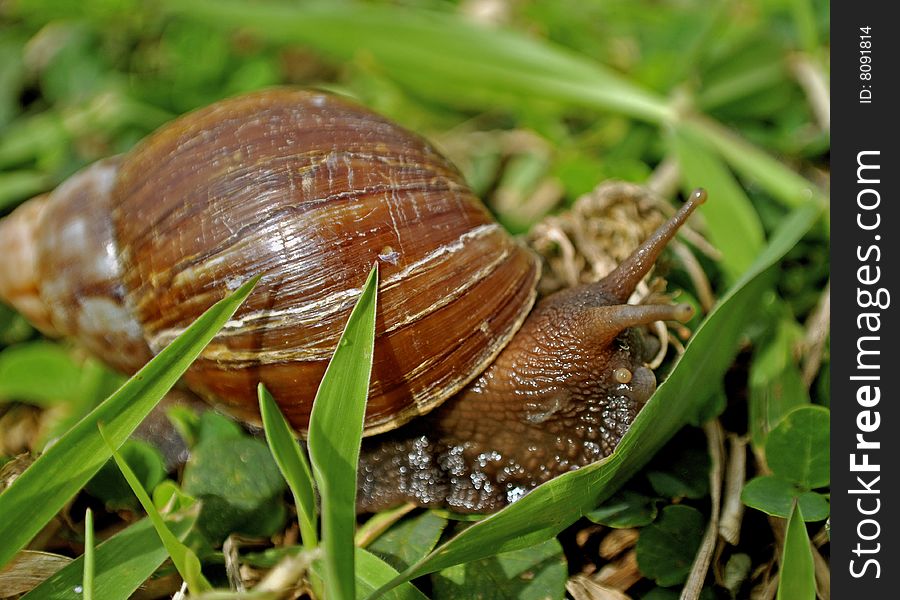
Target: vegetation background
{"x": 537, "y": 102}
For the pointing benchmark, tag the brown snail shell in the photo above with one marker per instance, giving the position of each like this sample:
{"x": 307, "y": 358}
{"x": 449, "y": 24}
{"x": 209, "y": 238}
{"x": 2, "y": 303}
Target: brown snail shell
{"x": 307, "y": 190}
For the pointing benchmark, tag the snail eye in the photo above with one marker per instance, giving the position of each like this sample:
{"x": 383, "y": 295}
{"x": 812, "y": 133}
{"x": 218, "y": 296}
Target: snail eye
{"x": 622, "y": 375}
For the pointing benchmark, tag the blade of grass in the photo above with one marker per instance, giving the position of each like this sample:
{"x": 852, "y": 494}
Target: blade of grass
{"x": 805, "y": 22}
{"x": 121, "y": 563}
{"x": 16, "y": 186}
{"x": 439, "y": 50}
{"x": 88, "y": 573}
{"x": 740, "y": 85}
{"x": 44, "y": 488}
{"x": 335, "y": 431}
{"x": 732, "y": 223}
{"x": 792, "y": 189}
{"x": 796, "y": 580}
{"x": 550, "y": 508}
{"x": 373, "y": 572}
{"x": 291, "y": 460}
{"x": 183, "y": 558}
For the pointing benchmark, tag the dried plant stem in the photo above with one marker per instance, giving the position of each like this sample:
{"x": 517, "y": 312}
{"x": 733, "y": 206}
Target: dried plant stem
{"x": 694, "y": 584}
{"x": 732, "y": 507}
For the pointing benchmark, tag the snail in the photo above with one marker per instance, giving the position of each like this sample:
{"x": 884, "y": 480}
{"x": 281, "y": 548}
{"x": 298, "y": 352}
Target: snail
{"x": 478, "y": 392}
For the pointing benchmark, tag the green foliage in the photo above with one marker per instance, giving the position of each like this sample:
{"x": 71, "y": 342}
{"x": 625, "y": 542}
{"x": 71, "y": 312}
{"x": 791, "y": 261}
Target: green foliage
{"x": 13, "y": 327}
{"x": 798, "y": 448}
{"x": 798, "y": 452}
{"x": 732, "y": 223}
{"x": 335, "y": 431}
{"x": 213, "y": 426}
{"x": 776, "y": 496}
{"x": 39, "y": 493}
{"x": 625, "y": 509}
{"x": 409, "y": 540}
{"x": 183, "y": 558}
{"x": 168, "y": 497}
{"x": 533, "y": 573}
{"x": 121, "y": 563}
{"x": 776, "y": 385}
{"x": 609, "y": 94}
{"x": 292, "y": 463}
{"x": 110, "y": 486}
{"x": 239, "y": 485}
{"x": 682, "y": 473}
{"x": 548, "y": 509}
{"x": 797, "y": 576}
{"x": 666, "y": 549}
{"x": 372, "y": 573}
{"x": 39, "y": 372}
{"x": 88, "y": 572}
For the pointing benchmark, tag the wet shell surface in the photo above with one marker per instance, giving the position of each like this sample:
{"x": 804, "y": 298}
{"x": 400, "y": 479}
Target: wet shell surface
{"x": 310, "y": 191}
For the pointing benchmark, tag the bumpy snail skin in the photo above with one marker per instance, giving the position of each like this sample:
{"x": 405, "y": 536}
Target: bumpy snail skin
{"x": 560, "y": 396}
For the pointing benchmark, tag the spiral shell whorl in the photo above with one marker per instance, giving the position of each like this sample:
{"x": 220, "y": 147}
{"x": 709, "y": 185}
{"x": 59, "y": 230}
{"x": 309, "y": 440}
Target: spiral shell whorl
{"x": 19, "y": 285}
{"x": 310, "y": 190}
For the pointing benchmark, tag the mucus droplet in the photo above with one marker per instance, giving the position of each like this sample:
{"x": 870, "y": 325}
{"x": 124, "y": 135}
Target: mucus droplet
{"x": 388, "y": 254}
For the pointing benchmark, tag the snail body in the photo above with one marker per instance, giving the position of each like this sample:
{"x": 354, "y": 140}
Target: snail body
{"x": 309, "y": 191}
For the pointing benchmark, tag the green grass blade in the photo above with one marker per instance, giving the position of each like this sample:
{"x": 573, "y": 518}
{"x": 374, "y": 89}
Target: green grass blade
{"x": 732, "y": 223}
{"x": 374, "y": 572}
{"x": 291, "y": 460}
{"x": 436, "y": 52}
{"x": 121, "y": 563}
{"x": 335, "y": 431}
{"x": 16, "y": 186}
{"x": 42, "y": 490}
{"x": 797, "y": 580}
{"x": 553, "y": 506}
{"x": 792, "y": 189}
{"x": 183, "y": 558}
{"x": 88, "y": 572}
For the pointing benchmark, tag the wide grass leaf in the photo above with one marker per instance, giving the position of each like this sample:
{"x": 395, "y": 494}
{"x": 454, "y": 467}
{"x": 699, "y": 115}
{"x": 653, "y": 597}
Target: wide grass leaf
{"x": 439, "y": 53}
{"x": 731, "y": 221}
{"x": 41, "y": 373}
{"x": 335, "y": 431}
{"x": 776, "y": 383}
{"x": 42, "y": 490}
{"x": 372, "y": 572}
{"x": 789, "y": 187}
{"x": 537, "y": 573}
{"x": 292, "y": 462}
{"x": 797, "y": 580}
{"x": 409, "y": 540}
{"x": 454, "y": 60}
{"x": 121, "y": 563}
{"x": 553, "y": 506}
